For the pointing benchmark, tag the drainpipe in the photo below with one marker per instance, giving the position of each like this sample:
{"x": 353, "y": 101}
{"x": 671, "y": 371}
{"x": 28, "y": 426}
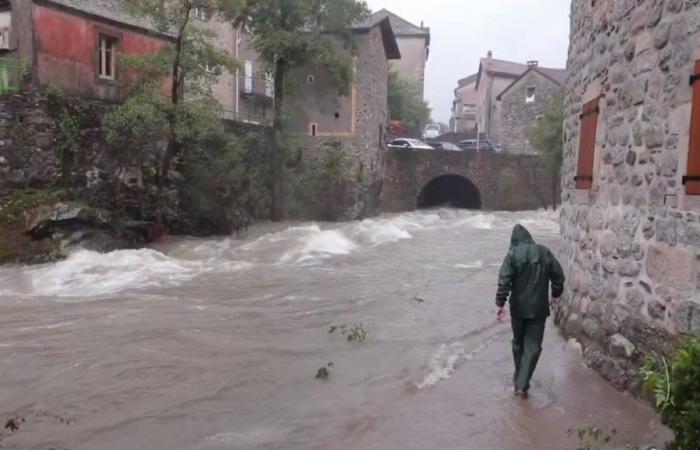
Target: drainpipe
{"x": 236, "y": 94}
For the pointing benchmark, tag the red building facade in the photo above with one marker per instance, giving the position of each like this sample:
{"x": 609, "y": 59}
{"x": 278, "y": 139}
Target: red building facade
{"x": 75, "y": 45}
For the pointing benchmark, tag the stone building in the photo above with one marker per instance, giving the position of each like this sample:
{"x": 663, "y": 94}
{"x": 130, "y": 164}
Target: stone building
{"x": 523, "y": 103}
{"x": 414, "y": 45}
{"x": 464, "y": 106}
{"x": 354, "y": 123}
{"x": 493, "y": 78}
{"x": 246, "y": 94}
{"x": 631, "y": 215}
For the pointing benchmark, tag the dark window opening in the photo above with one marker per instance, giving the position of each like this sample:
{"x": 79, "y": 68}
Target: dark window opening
{"x": 310, "y": 79}
{"x": 313, "y": 129}
{"x": 337, "y": 115}
{"x": 452, "y": 191}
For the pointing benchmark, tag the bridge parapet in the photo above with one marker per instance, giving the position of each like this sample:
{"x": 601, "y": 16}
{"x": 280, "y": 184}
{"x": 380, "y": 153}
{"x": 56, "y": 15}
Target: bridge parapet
{"x": 504, "y": 181}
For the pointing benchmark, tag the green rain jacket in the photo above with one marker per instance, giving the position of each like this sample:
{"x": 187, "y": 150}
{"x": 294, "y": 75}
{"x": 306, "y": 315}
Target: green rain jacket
{"x": 525, "y": 274}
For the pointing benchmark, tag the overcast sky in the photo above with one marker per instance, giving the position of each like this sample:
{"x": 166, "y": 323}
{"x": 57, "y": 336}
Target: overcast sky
{"x": 462, "y": 31}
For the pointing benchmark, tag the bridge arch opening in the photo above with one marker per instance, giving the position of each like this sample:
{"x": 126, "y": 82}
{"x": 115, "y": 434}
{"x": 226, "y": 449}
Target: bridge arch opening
{"x": 450, "y": 190}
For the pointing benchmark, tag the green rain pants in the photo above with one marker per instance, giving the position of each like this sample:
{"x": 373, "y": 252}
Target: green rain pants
{"x": 527, "y": 347}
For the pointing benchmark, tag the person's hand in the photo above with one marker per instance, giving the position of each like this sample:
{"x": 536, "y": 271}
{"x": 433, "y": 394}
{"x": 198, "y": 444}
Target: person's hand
{"x": 500, "y": 313}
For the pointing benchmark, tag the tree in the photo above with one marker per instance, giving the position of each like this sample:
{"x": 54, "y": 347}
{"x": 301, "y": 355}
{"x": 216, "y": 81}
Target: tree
{"x": 406, "y": 103}
{"x": 292, "y": 33}
{"x": 547, "y": 136}
{"x": 186, "y": 63}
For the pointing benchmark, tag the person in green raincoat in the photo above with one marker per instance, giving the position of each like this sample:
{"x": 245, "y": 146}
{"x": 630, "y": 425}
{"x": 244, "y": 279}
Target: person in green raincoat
{"x": 525, "y": 276}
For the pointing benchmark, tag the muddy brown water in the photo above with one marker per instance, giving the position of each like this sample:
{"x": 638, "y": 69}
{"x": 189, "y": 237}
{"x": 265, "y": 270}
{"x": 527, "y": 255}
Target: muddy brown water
{"x": 214, "y": 344}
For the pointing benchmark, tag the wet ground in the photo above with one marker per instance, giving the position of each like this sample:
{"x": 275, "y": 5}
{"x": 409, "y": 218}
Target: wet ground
{"x": 215, "y": 344}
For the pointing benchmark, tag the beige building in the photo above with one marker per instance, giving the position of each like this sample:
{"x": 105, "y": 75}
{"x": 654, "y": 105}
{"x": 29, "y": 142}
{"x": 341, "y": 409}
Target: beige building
{"x": 414, "y": 44}
{"x": 245, "y": 95}
{"x": 464, "y": 106}
{"x": 493, "y": 78}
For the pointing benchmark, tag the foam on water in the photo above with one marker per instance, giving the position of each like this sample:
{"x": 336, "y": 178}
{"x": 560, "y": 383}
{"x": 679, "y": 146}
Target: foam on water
{"x": 472, "y": 265}
{"x": 87, "y": 273}
{"x": 315, "y": 243}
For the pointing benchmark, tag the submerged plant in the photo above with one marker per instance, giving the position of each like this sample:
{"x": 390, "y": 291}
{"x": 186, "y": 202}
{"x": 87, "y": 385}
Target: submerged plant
{"x": 323, "y": 373}
{"x": 356, "y": 333}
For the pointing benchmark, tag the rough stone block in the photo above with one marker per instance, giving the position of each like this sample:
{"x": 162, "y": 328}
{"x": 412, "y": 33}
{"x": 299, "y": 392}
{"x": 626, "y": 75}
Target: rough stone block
{"x": 671, "y": 266}
{"x": 621, "y": 347}
{"x": 687, "y": 317}
{"x": 629, "y": 268}
{"x": 662, "y": 33}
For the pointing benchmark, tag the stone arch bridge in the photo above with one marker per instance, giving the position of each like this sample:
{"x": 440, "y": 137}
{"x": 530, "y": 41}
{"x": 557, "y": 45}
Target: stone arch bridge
{"x": 474, "y": 180}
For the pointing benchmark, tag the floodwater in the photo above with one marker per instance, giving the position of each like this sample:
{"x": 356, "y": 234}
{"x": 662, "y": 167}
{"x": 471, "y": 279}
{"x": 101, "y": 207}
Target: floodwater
{"x": 215, "y": 344}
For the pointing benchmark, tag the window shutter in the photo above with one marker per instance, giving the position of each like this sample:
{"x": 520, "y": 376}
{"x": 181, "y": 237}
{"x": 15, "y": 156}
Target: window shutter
{"x": 692, "y": 178}
{"x": 586, "y": 150}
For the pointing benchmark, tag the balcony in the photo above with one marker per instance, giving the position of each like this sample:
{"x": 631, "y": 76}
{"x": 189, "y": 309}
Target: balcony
{"x": 260, "y": 86}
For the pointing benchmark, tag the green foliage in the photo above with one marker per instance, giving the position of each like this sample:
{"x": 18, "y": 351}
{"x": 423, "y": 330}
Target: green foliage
{"x": 406, "y": 103}
{"x": 675, "y": 386}
{"x": 299, "y": 32}
{"x": 547, "y": 134}
{"x": 226, "y": 180}
{"x": 66, "y": 113}
{"x": 15, "y": 205}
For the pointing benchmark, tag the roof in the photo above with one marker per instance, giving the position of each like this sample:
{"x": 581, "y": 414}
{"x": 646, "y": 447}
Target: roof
{"x": 403, "y": 27}
{"x": 511, "y": 69}
{"x": 468, "y": 80}
{"x": 110, "y": 10}
{"x": 557, "y": 76}
{"x": 388, "y": 37}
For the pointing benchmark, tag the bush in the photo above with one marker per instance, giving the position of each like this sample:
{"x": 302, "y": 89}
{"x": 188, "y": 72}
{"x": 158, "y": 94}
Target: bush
{"x": 675, "y": 386}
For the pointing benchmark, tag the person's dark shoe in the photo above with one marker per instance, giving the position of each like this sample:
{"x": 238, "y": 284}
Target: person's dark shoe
{"x": 521, "y": 394}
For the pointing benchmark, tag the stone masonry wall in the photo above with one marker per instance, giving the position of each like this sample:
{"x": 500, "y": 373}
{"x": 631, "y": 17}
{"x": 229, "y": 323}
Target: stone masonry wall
{"x": 631, "y": 244}
{"x": 363, "y": 152}
{"x": 518, "y": 116}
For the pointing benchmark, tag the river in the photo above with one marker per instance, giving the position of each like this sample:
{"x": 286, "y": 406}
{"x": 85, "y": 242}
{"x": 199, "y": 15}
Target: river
{"x": 215, "y": 344}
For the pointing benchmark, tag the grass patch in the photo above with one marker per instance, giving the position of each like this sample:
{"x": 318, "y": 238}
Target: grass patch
{"x": 17, "y": 203}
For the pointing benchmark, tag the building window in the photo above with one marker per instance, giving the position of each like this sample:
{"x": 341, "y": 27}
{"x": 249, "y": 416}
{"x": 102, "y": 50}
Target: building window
{"x": 530, "y": 97}
{"x": 313, "y": 129}
{"x": 586, "y": 149}
{"x": 692, "y": 178}
{"x": 108, "y": 57}
{"x": 269, "y": 85}
{"x": 248, "y": 84}
{"x": 310, "y": 79}
{"x": 201, "y": 13}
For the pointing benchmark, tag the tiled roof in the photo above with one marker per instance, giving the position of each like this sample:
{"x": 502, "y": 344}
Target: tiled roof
{"x": 113, "y": 10}
{"x": 502, "y": 66}
{"x": 401, "y": 26}
{"x": 557, "y": 76}
{"x": 468, "y": 80}
{"x": 388, "y": 37}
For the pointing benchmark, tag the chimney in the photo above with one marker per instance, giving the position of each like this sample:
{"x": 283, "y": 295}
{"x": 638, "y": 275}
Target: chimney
{"x": 533, "y": 63}
{"x": 421, "y": 24}
{"x": 489, "y": 55}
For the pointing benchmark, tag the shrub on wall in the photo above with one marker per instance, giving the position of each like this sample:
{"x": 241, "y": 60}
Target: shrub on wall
{"x": 675, "y": 385}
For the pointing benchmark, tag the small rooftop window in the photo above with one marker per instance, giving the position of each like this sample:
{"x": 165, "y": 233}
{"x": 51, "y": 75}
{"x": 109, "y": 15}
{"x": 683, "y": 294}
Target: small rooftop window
{"x": 530, "y": 97}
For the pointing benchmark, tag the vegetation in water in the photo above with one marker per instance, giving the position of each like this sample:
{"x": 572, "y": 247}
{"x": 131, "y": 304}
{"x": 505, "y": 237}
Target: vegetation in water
{"x": 356, "y": 333}
{"x": 675, "y": 387}
{"x": 595, "y": 438}
{"x": 324, "y": 372}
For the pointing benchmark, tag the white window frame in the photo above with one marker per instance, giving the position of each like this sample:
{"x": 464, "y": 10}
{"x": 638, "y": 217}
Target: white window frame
{"x": 201, "y": 13}
{"x": 248, "y": 79}
{"x": 107, "y": 51}
{"x": 269, "y": 85}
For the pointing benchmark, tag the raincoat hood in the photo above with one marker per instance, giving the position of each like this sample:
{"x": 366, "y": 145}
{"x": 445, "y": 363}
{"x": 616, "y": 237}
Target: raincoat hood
{"x": 520, "y": 236}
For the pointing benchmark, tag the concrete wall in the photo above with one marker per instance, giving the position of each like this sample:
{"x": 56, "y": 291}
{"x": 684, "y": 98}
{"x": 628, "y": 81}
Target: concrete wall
{"x": 413, "y": 60}
{"x": 631, "y": 244}
{"x": 519, "y": 116}
{"x": 505, "y": 182}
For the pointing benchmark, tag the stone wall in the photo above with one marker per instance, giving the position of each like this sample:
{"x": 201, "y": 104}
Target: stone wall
{"x": 362, "y": 150}
{"x": 504, "y": 182}
{"x": 519, "y": 116}
{"x": 631, "y": 244}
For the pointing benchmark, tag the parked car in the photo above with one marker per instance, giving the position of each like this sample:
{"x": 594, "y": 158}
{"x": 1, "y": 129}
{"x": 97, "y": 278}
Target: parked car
{"x": 445, "y": 146}
{"x": 431, "y": 131}
{"x": 415, "y": 144}
{"x": 483, "y": 145}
